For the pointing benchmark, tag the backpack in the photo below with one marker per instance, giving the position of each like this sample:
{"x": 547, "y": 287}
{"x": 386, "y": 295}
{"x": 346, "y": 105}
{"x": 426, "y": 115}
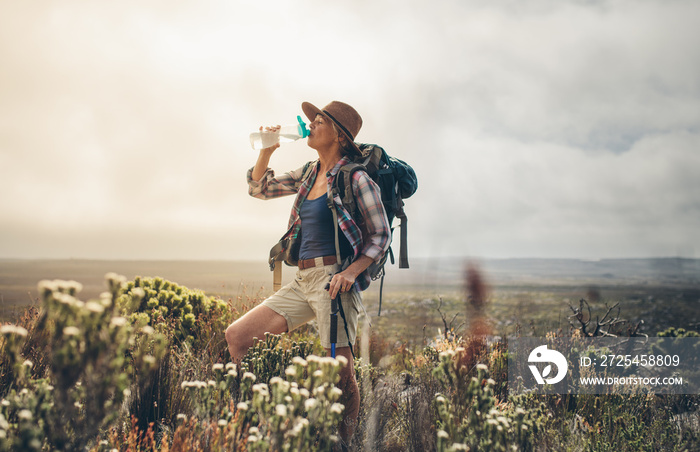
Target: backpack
{"x": 396, "y": 181}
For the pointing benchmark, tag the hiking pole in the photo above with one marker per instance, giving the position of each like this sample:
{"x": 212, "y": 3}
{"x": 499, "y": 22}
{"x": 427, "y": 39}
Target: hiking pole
{"x": 334, "y": 324}
{"x": 334, "y": 321}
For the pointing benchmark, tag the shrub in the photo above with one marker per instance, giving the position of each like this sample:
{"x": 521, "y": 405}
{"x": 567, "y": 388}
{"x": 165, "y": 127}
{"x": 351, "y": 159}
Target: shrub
{"x": 468, "y": 417}
{"x": 93, "y": 355}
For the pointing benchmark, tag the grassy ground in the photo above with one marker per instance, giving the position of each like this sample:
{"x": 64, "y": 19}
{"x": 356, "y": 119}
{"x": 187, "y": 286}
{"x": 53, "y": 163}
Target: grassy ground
{"x": 519, "y": 302}
{"x": 416, "y": 385}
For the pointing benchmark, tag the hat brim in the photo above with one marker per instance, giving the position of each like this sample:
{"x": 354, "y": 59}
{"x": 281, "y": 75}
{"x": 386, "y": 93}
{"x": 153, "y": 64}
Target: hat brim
{"x": 311, "y": 111}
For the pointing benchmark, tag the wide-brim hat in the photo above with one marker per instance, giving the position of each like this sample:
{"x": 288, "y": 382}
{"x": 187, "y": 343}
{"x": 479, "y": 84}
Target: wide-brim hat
{"x": 343, "y": 115}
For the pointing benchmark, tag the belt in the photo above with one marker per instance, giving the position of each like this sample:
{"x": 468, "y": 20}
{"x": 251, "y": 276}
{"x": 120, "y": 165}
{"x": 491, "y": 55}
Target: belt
{"x": 317, "y": 262}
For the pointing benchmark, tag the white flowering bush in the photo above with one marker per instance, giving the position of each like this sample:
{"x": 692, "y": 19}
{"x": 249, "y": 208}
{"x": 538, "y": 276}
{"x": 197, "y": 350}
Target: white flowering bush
{"x": 468, "y": 417}
{"x": 93, "y": 356}
{"x": 270, "y": 356}
{"x": 300, "y": 412}
{"x": 295, "y": 409}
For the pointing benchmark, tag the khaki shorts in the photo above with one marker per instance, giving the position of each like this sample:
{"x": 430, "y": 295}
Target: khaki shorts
{"x": 305, "y": 298}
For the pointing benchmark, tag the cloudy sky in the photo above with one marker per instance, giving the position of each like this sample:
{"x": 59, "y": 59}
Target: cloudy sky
{"x": 543, "y": 128}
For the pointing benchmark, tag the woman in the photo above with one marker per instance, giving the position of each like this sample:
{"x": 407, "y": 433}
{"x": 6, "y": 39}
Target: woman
{"x": 312, "y": 239}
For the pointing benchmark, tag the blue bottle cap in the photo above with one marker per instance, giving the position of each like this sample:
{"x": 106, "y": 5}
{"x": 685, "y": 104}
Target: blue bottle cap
{"x": 303, "y": 130}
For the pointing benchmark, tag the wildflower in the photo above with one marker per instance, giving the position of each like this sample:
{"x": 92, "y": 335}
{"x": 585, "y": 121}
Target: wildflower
{"x": 298, "y": 360}
{"x": 290, "y": 372}
{"x": 117, "y": 322}
{"x": 217, "y": 366}
{"x": 223, "y": 422}
{"x": 138, "y": 292}
{"x": 445, "y": 355}
{"x": 94, "y": 307}
{"x": 299, "y": 426}
{"x": 73, "y": 286}
{"x": 275, "y": 381}
{"x": 149, "y": 359}
{"x": 253, "y": 439}
{"x": 230, "y": 366}
{"x": 65, "y": 299}
{"x": 182, "y": 417}
{"x": 232, "y": 373}
{"x": 491, "y": 382}
{"x": 5, "y": 403}
{"x": 318, "y": 374}
{"x": 28, "y": 364}
{"x": 211, "y": 383}
{"x": 281, "y": 410}
{"x": 304, "y": 392}
{"x": 147, "y": 330}
{"x": 47, "y": 286}
{"x": 242, "y": 406}
{"x": 113, "y": 277}
{"x": 342, "y": 360}
{"x": 253, "y": 431}
{"x": 25, "y": 415}
{"x": 71, "y": 331}
{"x": 249, "y": 376}
{"x": 127, "y": 392}
{"x": 337, "y": 408}
{"x": 13, "y": 329}
{"x": 481, "y": 366}
{"x": 443, "y": 434}
{"x": 336, "y": 392}
{"x": 309, "y": 404}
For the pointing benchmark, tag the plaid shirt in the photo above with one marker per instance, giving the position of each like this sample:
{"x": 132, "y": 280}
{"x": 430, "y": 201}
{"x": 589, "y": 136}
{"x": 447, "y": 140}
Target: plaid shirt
{"x": 371, "y": 237}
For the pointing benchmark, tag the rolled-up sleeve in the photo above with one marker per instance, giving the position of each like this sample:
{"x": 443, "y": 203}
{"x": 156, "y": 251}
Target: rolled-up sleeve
{"x": 269, "y": 186}
{"x": 376, "y": 230}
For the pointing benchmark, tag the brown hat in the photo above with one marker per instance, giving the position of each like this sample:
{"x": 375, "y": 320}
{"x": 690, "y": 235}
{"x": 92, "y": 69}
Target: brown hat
{"x": 343, "y": 115}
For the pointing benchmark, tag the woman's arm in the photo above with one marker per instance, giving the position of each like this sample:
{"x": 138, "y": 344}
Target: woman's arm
{"x": 376, "y": 232}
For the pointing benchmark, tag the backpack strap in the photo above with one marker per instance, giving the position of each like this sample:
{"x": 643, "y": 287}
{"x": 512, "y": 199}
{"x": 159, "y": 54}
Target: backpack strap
{"x": 403, "y": 250}
{"x": 277, "y": 252}
{"x": 305, "y": 173}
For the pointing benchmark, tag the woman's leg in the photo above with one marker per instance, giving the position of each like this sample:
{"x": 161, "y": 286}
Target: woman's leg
{"x": 254, "y": 324}
{"x": 351, "y": 395}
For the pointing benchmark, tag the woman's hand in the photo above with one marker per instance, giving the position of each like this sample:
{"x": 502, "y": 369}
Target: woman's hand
{"x": 271, "y": 129}
{"x": 264, "y": 157}
{"x": 341, "y": 282}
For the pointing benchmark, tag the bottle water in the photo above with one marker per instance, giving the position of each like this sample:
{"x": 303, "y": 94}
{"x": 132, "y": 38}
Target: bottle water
{"x": 285, "y": 134}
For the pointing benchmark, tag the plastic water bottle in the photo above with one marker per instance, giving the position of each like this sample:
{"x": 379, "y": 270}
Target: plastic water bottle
{"x": 285, "y": 134}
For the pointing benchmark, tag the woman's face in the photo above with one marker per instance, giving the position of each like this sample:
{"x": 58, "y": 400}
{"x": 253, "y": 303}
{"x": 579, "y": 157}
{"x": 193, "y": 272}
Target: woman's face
{"x": 322, "y": 134}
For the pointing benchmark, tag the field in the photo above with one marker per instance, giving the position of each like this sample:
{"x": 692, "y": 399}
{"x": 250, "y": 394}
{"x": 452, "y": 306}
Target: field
{"x": 533, "y": 294}
{"x": 421, "y": 386}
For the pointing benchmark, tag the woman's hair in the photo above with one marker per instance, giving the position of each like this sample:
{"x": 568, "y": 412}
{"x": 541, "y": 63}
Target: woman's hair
{"x": 345, "y": 146}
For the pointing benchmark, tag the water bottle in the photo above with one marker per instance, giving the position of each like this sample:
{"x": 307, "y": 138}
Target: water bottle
{"x": 285, "y": 134}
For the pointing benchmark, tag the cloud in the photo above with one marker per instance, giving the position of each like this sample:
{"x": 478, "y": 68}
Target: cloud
{"x": 541, "y": 128}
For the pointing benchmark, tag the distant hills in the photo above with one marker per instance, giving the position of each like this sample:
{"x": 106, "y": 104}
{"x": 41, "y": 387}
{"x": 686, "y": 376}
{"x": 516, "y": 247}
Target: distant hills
{"x": 652, "y": 271}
